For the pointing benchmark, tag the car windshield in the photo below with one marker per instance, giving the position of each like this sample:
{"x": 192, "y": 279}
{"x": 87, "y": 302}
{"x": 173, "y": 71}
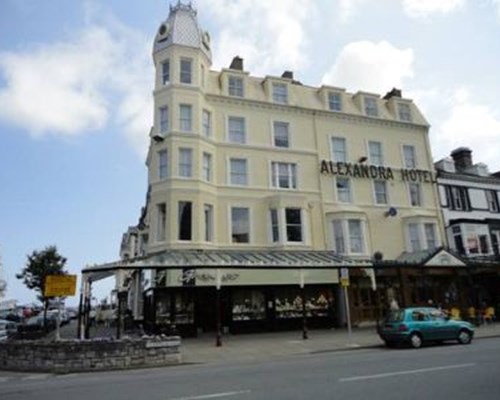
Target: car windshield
{"x": 395, "y": 316}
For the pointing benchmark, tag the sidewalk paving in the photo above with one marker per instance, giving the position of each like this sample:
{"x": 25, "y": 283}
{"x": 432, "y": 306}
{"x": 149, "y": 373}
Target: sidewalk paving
{"x": 261, "y": 346}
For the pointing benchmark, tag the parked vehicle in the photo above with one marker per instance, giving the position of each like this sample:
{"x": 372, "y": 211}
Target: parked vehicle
{"x": 416, "y": 325}
{"x": 7, "y": 329}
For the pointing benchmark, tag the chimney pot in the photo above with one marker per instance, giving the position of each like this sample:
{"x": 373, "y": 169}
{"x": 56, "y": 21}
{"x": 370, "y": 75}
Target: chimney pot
{"x": 237, "y": 63}
{"x": 287, "y": 74}
{"x": 462, "y": 158}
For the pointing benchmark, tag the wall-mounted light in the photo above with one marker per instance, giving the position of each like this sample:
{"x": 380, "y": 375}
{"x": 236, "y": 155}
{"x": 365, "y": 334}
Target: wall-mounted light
{"x": 391, "y": 212}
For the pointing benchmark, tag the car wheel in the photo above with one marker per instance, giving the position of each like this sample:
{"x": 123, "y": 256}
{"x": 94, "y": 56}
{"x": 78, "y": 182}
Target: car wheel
{"x": 464, "y": 337}
{"x": 415, "y": 340}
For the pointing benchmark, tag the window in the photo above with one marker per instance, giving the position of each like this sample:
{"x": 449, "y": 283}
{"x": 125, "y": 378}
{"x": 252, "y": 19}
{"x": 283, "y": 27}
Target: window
{"x": 207, "y": 123}
{"x": 165, "y": 72}
{"x": 293, "y": 224}
{"x": 184, "y": 220}
{"x": 280, "y": 93}
{"x": 348, "y": 236}
{"x": 208, "y": 211}
{"x": 240, "y": 225}
{"x": 410, "y": 160}
{"x": 185, "y": 162}
{"x": 380, "y": 188}
{"x": 186, "y": 72}
{"x": 161, "y": 210}
{"x": 236, "y": 127}
{"x": 162, "y": 164}
{"x": 275, "y": 231}
{"x": 163, "y": 119}
{"x": 339, "y": 153}
{"x": 343, "y": 190}
{"x": 371, "y": 108}
{"x": 414, "y": 235}
{"x": 185, "y": 121}
{"x": 334, "y": 101}
{"x": 376, "y": 155}
{"x": 207, "y": 167}
{"x": 415, "y": 195}
{"x": 235, "y": 87}
{"x": 458, "y": 198}
{"x": 281, "y": 134}
{"x": 202, "y": 73}
{"x": 284, "y": 175}
{"x": 238, "y": 171}
{"x": 430, "y": 235}
{"x": 492, "y": 200}
{"x": 404, "y": 112}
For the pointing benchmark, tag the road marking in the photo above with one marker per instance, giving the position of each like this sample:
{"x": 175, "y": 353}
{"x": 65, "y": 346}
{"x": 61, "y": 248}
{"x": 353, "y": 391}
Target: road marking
{"x": 213, "y": 395}
{"x": 409, "y": 372}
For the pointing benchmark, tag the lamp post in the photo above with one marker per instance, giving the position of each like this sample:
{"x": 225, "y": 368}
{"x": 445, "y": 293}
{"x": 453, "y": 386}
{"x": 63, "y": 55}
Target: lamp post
{"x": 218, "y": 337}
{"x": 304, "y": 310}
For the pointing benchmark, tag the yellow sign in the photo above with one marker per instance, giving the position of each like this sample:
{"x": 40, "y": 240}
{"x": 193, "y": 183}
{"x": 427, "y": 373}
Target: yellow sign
{"x": 344, "y": 277}
{"x": 60, "y": 285}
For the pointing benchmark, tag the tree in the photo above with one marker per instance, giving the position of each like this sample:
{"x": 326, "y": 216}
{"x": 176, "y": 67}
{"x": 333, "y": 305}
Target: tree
{"x": 38, "y": 266}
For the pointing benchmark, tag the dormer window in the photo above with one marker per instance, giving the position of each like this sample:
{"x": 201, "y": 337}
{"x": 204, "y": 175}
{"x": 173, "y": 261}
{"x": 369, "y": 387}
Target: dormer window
{"x": 186, "y": 70}
{"x": 371, "y": 108}
{"x": 165, "y": 72}
{"x": 235, "y": 86}
{"x": 404, "y": 112}
{"x": 280, "y": 93}
{"x": 334, "y": 101}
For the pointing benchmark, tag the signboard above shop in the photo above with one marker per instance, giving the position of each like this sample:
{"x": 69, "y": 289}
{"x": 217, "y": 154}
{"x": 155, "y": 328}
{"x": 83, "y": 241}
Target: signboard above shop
{"x": 60, "y": 285}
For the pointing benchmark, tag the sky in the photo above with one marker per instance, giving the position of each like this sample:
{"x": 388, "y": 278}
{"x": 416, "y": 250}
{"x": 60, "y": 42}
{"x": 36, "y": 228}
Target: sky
{"x": 76, "y": 80}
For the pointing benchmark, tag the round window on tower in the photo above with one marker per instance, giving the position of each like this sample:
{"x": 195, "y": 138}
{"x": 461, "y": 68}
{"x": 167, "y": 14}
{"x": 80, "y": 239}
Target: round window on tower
{"x": 162, "y": 30}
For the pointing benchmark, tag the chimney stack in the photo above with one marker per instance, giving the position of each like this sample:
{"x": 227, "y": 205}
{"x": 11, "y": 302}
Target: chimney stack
{"x": 287, "y": 74}
{"x": 462, "y": 158}
{"x": 393, "y": 93}
{"x": 237, "y": 63}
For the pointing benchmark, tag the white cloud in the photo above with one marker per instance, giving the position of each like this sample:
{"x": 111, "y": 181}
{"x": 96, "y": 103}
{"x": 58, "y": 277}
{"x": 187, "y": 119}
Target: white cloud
{"x": 347, "y": 8}
{"x": 269, "y": 35}
{"x": 370, "y": 66}
{"x": 77, "y": 86}
{"x": 426, "y": 8}
{"x": 496, "y": 3}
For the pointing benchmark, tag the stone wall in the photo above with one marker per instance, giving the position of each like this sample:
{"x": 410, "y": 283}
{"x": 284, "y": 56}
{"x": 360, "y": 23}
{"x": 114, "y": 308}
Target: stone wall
{"x": 88, "y": 355}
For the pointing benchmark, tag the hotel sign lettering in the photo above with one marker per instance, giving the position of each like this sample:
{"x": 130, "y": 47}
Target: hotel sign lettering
{"x": 375, "y": 172}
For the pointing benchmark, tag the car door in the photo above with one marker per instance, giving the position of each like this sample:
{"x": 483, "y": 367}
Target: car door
{"x": 440, "y": 326}
{"x": 422, "y": 323}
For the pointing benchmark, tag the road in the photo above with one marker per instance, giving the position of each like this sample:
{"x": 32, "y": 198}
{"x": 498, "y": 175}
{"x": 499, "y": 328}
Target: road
{"x": 433, "y": 372}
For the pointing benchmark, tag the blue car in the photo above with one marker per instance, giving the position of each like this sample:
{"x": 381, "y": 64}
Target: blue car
{"x": 416, "y": 325}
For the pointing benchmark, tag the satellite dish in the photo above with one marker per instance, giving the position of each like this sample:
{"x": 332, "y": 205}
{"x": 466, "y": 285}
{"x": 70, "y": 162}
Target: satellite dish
{"x": 392, "y": 212}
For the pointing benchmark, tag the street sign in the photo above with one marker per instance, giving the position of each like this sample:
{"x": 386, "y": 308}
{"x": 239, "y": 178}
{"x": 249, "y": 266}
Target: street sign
{"x": 344, "y": 277}
{"x": 60, "y": 285}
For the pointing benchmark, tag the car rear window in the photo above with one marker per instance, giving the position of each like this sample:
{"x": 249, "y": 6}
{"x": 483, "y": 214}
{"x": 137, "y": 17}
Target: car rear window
{"x": 395, "y": 316}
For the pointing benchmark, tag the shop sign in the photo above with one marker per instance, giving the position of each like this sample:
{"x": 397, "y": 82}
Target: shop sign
{"x": 191, "y": 275}
{"x": 375, "y": 172}
{"x": 344, "y": 277}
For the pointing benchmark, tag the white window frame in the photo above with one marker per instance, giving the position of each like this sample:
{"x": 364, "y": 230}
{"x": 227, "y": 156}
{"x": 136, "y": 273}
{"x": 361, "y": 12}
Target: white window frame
{"x": 344, "y": 194}
{"x": 186, "y": 121}
{"x": 414, "y": 236}
{"x": 161, "y": 222}
{"x": 163, "y": 119}
{"x": 377, "y": 184}
{"x": 404, "y": 112}
{"x": 207, "y": 166}
{"x": 186, "y": 77}
{"x": 409, "y": 156}
{"x": 346, "y": 238}
{"x": 207, "y": 123}
{"x": 231, "y": 226}
{"x": 235, "y": 86}
{"x": 165, "y": 72}
{"x": 334, "y": 101}
{"x": 185, "y": 167}
{"x": 430, "y": 231}
{"x": 286, "y": 131}
{"x": 370, "y": 106}
{"x": 492, "y": 200}
{"x": 376, "y": 157}
{"x": 291, "y": 175}
{"x": 287, "y": 225}
{"x": 233, "y": 174}
{"x": 162, "y": 164}
{"x": 415, "y": 188}
{"x": 208, "y": 216}
{"x": 274, "y": 225}
{"x": 280, "y": 92}
{"x": 339, "y": 148}
{"x": 231, "y": 132}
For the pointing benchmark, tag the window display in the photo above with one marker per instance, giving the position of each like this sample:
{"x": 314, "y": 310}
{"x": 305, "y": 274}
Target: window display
{"x": 248, "y": 305}
{"x": 184, "y": 308}
{"x": 163, "y": 316}
{"x": 288, "y": 303}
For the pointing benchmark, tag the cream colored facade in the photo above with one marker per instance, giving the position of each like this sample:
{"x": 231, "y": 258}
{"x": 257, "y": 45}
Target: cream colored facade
{"x": 312, "y": 126}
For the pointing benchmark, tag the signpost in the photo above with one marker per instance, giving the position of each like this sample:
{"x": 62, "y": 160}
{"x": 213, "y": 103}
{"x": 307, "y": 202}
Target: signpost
{"x": 344, "y": 282}
{"x": 59, "y": 286}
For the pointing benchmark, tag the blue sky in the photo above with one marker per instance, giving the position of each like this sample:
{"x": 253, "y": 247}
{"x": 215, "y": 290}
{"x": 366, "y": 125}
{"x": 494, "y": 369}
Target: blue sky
{"x": 76, "y": 108}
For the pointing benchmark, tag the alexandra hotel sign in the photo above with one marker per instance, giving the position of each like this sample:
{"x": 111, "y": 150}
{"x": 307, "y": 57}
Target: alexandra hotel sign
{"x": 375, "y": 172}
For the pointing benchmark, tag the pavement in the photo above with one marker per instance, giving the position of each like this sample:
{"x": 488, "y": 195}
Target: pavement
{"x": 269, "y": 345}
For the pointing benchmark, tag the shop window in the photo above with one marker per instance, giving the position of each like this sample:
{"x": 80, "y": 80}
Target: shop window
{"x": 288, "y": 303}
{"x": 184, "y": 308}
{"x": 248, "y": 305}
